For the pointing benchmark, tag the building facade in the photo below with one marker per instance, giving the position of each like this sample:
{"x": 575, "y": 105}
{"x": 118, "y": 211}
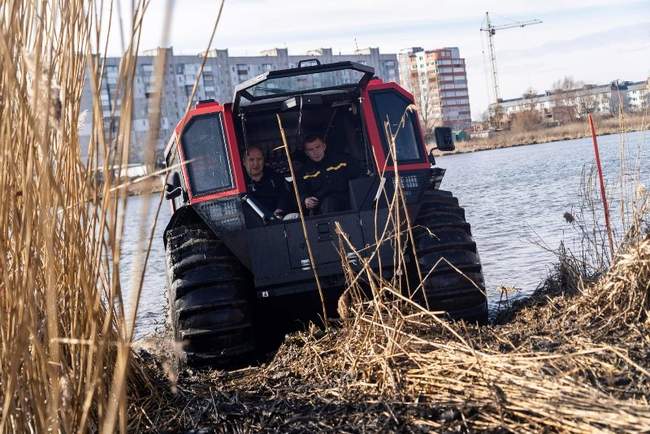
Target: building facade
{"x": 565, "y": 106}
{"x": 438, "y": 80}
{"x": 220, "y": 75}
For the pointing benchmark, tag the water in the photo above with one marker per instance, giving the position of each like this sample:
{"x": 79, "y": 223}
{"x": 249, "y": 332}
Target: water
{"x": 153, "y": 299}
{"x": 512, "y": 197}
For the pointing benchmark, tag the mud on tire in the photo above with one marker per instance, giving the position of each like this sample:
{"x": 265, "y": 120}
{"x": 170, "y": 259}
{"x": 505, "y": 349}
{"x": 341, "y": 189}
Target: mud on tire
{"x": 210, "y": 307}
{"x": 442, "y": 236}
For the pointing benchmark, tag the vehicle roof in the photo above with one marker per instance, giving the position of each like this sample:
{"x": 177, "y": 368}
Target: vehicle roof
{"x": 300, "y": 80}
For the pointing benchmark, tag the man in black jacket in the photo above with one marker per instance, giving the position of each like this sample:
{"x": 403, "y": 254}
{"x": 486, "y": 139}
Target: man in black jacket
{"x": 324, "y": 177}
{"x": 264, "y": 185}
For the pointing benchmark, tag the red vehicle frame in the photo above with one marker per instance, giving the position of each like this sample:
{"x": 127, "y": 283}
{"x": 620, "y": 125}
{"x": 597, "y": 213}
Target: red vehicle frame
{"x": 232, "y": 145}
{"x": 374, "y": 132}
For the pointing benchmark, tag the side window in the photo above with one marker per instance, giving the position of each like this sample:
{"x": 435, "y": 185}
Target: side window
{"x": 391, "y": 106}
{"x": 204, "y": 146}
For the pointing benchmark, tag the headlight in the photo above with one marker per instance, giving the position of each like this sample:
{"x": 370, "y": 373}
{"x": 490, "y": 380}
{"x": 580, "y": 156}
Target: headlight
{"x": 222, "y": 214}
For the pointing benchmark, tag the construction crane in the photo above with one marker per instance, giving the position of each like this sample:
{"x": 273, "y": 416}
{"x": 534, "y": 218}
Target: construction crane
{"x": 491, "y": 30}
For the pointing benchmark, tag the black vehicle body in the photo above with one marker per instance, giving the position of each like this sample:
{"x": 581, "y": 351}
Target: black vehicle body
{"x": 347, "y": 106}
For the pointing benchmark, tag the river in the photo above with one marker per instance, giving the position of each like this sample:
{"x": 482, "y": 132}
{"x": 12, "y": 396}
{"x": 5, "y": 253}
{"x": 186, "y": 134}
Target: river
{"x": 514, "y": 198}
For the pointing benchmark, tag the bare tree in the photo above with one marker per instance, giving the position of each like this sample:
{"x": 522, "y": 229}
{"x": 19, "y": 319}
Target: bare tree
{"x": 430, "y": 112}
{"x": 565, "y": 84}
{"x": 526, "y": 121}
{"x": 529, "y": 93}
{"x": 529, "y": 98}
{"x": 586, "y": 103}
{"x": 566, "y": 99}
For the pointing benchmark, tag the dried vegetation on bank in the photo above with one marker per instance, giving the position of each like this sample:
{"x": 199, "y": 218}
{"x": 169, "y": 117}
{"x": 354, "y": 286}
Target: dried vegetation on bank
{"x": 575, "y": 361}
{"x": 574, "y": 358}
{"x": 624, "y": 123}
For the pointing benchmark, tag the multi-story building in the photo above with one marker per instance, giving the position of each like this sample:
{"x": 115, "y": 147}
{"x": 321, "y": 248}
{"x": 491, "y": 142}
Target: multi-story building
{"x": 220, "y": 75}
{"x": 438, "y": 81}
{"x": 567, "y": 105}
{"x": 638, "y": 96}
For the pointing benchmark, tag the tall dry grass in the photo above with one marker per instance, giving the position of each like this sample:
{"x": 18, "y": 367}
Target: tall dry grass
{"x": 576, "y": 364}
{"x": 65, "y": 349}
{"x": 574, "y": 360}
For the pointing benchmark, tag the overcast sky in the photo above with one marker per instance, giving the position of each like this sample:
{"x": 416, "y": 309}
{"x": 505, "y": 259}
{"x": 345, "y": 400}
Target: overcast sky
{"x": 594, "y": 41}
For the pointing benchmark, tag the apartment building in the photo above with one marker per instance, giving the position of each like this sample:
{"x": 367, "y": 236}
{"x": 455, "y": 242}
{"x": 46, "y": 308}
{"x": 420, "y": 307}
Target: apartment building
{"x": 438, "y": 80}
{"x": 564, "y": 106}
{"x": 220, "y": 75}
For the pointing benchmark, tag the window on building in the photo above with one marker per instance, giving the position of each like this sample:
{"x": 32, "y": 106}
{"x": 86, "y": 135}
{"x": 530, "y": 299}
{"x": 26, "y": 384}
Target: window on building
{"x": 208, "y": 79}
{"x": 242, "y": 69}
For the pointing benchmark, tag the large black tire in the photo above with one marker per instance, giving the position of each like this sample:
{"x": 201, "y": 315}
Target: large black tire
{"x": 209, "y": 298}
{"x": 442, "y": 236}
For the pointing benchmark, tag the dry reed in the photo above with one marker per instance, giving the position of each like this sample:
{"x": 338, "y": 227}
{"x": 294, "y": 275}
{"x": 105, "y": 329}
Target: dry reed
{"x": 622, "y": 123}
{"x": 573, "y": 358}
{"x": 568, "y": 363}
{"x": 574, "y": 363}
{"x": 65, "y": 348}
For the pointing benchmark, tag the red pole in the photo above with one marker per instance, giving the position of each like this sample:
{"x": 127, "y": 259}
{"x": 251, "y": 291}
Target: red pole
{"x": 603, "y": 195}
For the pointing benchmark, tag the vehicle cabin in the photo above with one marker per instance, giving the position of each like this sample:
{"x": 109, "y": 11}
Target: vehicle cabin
{"x": 340, "y": 102}
{"x": 255, "y": 254}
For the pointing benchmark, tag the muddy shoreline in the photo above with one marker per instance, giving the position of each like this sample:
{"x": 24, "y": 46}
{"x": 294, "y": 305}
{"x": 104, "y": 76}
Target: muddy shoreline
{"x": 574, "y": 344}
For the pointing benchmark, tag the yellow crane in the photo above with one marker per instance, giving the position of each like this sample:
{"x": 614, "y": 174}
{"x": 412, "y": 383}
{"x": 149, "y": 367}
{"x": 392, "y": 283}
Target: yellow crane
{"x": 490, "y": 30}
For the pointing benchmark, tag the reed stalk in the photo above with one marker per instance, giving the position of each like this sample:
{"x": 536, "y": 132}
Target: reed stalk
{"x": 569, "y": 362}
{"x": 65, "y": 347}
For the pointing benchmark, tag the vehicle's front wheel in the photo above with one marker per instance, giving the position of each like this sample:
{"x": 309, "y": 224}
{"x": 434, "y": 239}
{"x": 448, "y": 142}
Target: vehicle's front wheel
{"x": 209, "y": 298}
{"x": 449, "y": 260}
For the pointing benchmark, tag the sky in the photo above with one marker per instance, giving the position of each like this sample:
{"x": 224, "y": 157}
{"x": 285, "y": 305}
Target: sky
{"x": 593, "y": 41}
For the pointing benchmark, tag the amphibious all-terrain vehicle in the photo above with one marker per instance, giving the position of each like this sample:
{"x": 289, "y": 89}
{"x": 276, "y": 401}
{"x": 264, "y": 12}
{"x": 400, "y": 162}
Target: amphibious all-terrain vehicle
{"x": 234, "y": 269}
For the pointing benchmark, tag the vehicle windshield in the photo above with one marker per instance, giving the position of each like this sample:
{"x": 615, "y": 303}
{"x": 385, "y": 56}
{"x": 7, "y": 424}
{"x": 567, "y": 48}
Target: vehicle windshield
{"x": 281, "y": 83}
{"x": 305, "y": 82}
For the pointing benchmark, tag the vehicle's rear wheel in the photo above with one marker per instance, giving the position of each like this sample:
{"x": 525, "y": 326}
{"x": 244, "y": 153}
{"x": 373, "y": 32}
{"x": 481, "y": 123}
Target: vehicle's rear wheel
{"x": 209, "y": 298}
{"x": 449, "y": 261}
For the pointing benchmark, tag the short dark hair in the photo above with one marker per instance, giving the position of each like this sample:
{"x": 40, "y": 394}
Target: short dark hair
{"x": 259, "y": 148}
{"x": 311, "y": 138}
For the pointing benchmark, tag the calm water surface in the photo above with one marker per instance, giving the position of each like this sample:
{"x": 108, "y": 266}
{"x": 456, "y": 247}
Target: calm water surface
{"x": 512, "y": 197}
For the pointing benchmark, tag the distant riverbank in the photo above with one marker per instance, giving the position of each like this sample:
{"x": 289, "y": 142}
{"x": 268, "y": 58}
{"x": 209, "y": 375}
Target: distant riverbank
{"x": 152, "y": 184}
{"x": 576, "y": 130}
